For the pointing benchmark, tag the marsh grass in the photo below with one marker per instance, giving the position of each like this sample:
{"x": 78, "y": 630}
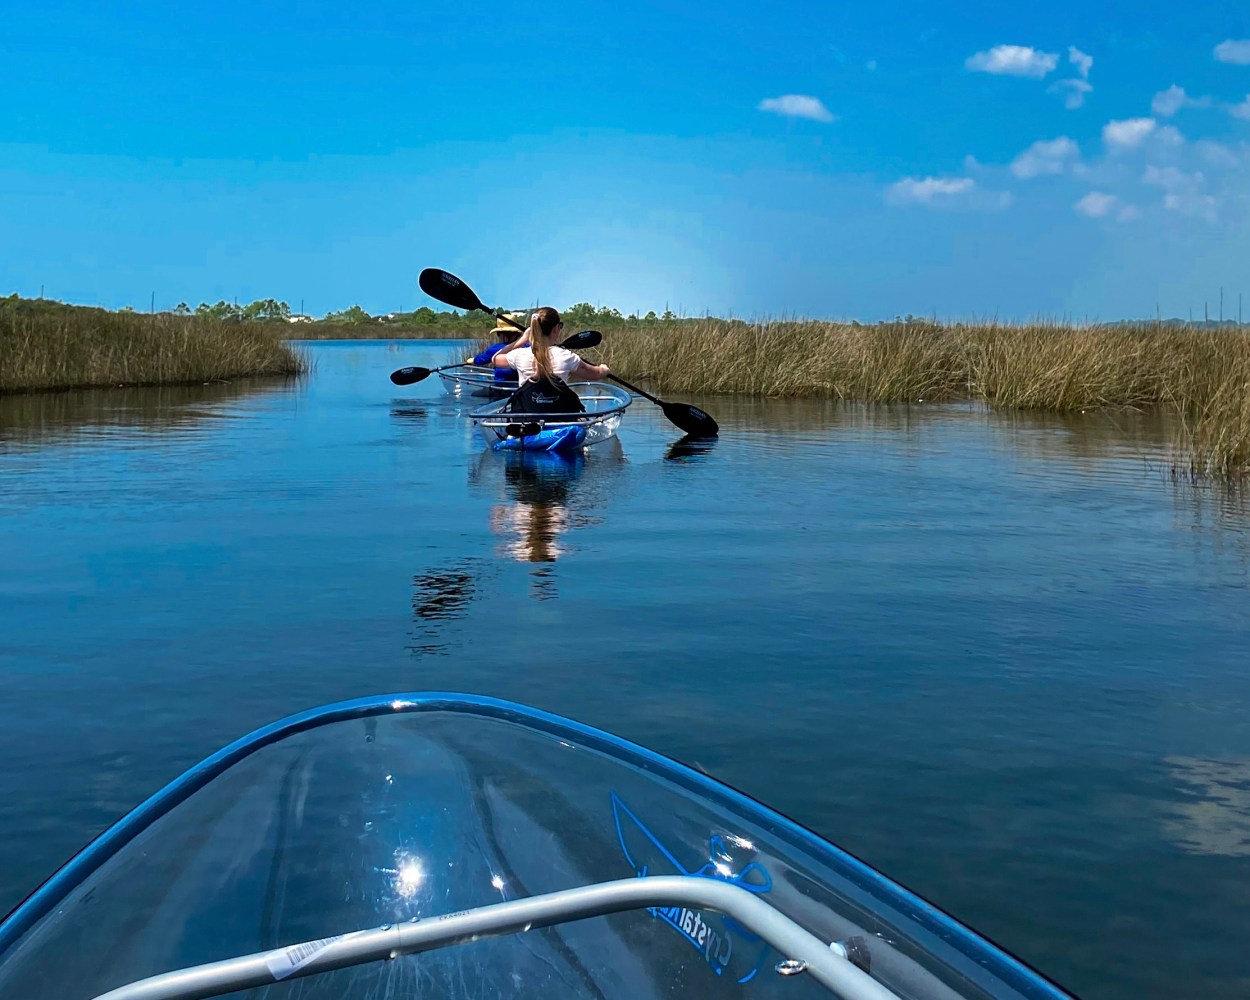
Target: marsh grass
{"x": 1201, "y": 374}
{"x": 72, "y": 347}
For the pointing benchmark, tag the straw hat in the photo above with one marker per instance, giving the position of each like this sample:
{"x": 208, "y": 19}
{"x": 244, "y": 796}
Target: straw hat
{"x": 502, "y": 327}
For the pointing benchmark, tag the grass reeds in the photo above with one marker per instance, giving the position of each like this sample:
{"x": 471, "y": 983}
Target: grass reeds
{"x": 1203, "y": 375}
{"x": 69, "y": 347}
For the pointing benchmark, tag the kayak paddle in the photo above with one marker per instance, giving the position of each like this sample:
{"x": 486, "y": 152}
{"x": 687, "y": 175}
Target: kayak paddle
{"x": 688, "y": 418}
{"x": 578, "y": 342}
{"x": 448, "y": 289}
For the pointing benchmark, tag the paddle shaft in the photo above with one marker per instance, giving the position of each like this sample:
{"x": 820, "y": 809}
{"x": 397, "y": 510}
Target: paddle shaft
{"x": 633, "y": 388}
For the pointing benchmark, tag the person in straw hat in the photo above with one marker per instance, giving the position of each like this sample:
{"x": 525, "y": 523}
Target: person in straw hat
{"x": 487, "y": 356}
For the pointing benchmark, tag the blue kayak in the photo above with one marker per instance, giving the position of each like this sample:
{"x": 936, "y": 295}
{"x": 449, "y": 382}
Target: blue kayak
{"x": 569, "y": 437}
{"x": 440, "y": 846}
{"x": 603, "y": 406}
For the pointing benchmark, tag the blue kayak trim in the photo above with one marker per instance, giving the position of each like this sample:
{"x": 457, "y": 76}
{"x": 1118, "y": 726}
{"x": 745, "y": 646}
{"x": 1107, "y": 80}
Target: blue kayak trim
{"x": 569, "y": 437}
{"x": 1012, "y": 971}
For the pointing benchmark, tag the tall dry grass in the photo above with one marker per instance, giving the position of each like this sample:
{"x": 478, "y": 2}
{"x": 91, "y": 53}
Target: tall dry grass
{"x": 1202, "y": 374}
{"x": 78, "y": 348}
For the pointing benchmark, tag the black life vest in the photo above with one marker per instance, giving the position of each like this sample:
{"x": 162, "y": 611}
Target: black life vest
{"x": 544, "y": 395}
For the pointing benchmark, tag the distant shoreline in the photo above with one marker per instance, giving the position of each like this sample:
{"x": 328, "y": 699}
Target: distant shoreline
{"x": 46, "y": 346}
{"x": 1200, "y": 371}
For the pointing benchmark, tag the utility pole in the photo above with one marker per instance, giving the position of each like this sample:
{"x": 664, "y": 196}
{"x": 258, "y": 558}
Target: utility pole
{"x": 152, "y": 307}
{"x": 41, "y": 291}
{"x": 1221, "y": 305}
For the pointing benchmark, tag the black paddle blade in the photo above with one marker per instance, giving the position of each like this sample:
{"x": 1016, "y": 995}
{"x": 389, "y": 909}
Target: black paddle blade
{"x": 448, "y": 289}
{"x": 408, "y": 376}
{"x": 583, "y": 341}
{"x": 691, "y": 419}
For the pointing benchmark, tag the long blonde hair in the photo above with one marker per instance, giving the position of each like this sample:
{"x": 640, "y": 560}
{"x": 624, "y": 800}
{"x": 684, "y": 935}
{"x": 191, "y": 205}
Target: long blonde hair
{"x": 543, "y": 324}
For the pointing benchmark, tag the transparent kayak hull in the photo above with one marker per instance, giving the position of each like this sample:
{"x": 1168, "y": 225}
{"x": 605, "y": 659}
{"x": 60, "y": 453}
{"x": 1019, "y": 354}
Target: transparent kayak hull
{"x": 476, "y": 381}
{"x": 453, "y": 846}
{"x": 605, "y": 407}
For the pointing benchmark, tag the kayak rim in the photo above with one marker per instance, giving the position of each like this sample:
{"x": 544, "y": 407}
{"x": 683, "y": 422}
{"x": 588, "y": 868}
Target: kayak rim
{"x": 45, "y": 898}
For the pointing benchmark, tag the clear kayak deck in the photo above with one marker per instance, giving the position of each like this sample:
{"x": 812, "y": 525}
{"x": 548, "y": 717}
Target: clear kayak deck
{"x": 605, "y": 407}
{"x": 454, "y": 846}
{"x": 477, "y": 381}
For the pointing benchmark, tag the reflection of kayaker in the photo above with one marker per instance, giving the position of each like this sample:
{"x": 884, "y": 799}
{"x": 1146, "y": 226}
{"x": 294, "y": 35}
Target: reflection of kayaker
{"x": 538, "y": 512}
{"x": 534, "y": 529}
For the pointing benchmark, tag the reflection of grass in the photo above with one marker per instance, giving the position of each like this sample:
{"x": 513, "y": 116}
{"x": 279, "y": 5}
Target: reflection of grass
{"x": 46, "y": 416}
{"x": 70, "y": 347}
{"x": 1203, "y": 375}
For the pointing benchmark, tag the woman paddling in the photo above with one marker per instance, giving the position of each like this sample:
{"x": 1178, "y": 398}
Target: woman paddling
{"x": 545, "y": 369}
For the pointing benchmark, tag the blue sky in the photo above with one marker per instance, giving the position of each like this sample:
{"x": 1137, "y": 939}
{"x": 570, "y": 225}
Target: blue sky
{"x": 836, "y": 160}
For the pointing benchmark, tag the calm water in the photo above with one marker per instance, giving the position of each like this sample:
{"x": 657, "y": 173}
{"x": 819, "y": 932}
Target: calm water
{"x": 1003, "y": 659}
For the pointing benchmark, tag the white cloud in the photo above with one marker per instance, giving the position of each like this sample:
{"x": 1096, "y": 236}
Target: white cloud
{"x": 1172, "y": 178}
{"x": 1075, "y": 91}
{"x": 1234, "y": 50}
{"x": 1013, "y": 60}
{"x": 1216, "y": 154}
{"x": 961, "y": 193}
{"x": 1045, "y": 157}
{"x": 1203, "y": 206}
{"x": 1168, "y": 102}
{"x": 1184, "y": 191}
{"x": 1168, "y": 135}
{"x": 1100, "y": 205}
{"x": 1081, "y": 60}
{"x": 1241, "y": 110}
{"x": 797, "y": 106}
{"x": 929, "y": 190}
{"x": 1096, "y": 204}
{"x": 1129, "y": 133}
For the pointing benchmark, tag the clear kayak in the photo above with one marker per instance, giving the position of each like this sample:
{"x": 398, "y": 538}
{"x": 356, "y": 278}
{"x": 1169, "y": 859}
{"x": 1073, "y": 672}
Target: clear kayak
{"x": 605, "y": 406}
{"x": 477, "y": 380}
{"x": 439, "y": 845}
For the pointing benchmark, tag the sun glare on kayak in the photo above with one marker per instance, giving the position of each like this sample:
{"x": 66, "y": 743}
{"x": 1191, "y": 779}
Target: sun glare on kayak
{"x": 408, "y": 877}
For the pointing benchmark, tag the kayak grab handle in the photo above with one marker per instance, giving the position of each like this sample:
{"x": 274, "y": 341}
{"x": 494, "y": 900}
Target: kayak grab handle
{"x": 803, "y": 951}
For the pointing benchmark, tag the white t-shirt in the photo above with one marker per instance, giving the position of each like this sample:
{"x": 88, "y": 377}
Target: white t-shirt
{"x": 563, "y": 363}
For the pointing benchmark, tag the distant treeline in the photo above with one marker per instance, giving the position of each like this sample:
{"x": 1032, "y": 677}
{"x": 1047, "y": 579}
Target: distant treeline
{"x": 435, "y": 323}
{"x": 355, "y": 322}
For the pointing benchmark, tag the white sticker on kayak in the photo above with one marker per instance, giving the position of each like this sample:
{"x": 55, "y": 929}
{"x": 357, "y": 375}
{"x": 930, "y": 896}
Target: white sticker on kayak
{"x": 287, "y": 961}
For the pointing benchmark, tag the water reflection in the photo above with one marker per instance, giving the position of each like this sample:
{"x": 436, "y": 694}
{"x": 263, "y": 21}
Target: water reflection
{"x": 1216, "y": 820}
{"x": 544, "y": 496}
{"x": 439, "y": 597}
{"x": 408, "y": 410}
{"x": 689, "y": 448}
{"x": 37, "y": 419}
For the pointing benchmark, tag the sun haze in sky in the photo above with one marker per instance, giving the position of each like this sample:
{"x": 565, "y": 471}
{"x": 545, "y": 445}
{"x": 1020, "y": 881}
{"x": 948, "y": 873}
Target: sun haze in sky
{"x": 811, "y": 159}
